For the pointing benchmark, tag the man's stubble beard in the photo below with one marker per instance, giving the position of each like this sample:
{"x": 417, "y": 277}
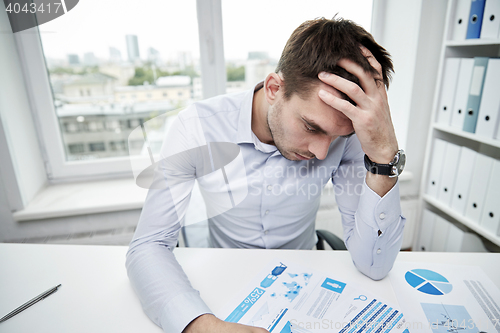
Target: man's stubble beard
{"x": 277, "y": 131}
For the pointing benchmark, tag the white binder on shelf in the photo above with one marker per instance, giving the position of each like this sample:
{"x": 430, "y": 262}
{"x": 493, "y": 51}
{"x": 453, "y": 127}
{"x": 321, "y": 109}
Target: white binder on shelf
{"x": 460, "y": 20}
{"x": 463, "y": 179}
{"x": 475, "y": 93}
{"x": 491, "y": 20}
{"x": 426, "y": 231}
{"x": 448, "y": 88}
{"x": 479, "y": 185}
{"x": 440, "y": 234}
{"x": 487, "y": 120}
{"x": 462, "y": 241}
{"x": 471, "y": 242}
{"x": 490, "y": 219}
{"x": 436, "y": 166}
{"x": 462, "y": 93}
{"x": 447, "y": 182}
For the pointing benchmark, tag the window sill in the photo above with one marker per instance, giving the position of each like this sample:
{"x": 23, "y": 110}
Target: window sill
{"x": 62, "y": 200}
{"x": 92, "y": 197}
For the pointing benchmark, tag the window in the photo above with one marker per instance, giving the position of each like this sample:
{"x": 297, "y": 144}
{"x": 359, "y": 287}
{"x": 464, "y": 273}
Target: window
{"x": 133, "y": 123}
{"x": 117, "y": 145}
{"x": 97, "y": 146}
{"x": 109, "y": 86}
{"x": 71, "y": 127}
{"x": 95, "y": 126}
{"x": 76, "y": 148}
{"x": 113, "y": 125}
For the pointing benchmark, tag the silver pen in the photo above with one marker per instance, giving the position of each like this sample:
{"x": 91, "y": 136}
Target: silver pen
{"x": 29, "y": 303}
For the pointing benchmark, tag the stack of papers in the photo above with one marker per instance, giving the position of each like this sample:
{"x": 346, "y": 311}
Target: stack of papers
{"x": 286, "y": 298}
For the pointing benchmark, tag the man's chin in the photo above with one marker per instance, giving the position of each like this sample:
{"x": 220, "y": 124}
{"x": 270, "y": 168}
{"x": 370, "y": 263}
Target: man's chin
{"x": 295, "y": 157}
{"x": 289, "y": 156}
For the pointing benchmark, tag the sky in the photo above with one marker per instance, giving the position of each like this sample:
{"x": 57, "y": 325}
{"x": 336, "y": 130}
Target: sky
{"x": 171, "y": 26}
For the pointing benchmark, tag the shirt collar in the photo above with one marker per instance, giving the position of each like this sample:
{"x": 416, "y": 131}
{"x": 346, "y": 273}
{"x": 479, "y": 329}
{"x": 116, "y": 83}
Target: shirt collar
{"x": 245, "y": 119}
{"x": 244, "y": 134}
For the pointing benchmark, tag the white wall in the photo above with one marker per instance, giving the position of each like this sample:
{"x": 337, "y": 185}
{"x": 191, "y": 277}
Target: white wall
{"x": 397, "y": 28}
{"x": 412, "y": 31}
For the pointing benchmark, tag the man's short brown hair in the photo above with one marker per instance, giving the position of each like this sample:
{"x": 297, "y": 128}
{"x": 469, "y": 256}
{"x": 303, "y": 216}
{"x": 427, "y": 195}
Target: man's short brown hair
{"x": 318, "y": 45}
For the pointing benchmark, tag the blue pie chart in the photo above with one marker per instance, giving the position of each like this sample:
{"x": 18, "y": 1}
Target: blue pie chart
{"x": 428, "y": 282}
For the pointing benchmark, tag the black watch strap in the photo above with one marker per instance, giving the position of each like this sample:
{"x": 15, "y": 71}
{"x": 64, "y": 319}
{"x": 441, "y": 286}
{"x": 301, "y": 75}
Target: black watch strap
{"x": 378, "y": 169}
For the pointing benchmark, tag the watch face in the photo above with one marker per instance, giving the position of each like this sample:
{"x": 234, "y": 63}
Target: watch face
{"x": 399, "y": 166}
{"x": 402, "y": 162}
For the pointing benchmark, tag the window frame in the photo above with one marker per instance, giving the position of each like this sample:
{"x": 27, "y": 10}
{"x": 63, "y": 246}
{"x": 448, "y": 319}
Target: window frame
{"x": 41, "y": 101}
{"x": 35, "y": 70}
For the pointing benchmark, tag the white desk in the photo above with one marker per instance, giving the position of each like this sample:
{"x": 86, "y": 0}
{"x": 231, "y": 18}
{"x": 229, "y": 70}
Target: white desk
{"x": 96, "y": 295}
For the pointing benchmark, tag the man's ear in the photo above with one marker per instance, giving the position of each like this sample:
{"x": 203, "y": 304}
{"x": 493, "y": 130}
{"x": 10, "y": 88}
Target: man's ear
{"x": 273, "y": 86}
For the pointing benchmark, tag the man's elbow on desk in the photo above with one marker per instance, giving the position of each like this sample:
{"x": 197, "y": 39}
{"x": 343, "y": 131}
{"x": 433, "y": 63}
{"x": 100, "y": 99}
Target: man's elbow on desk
{"x": 374, "y": 273}
{"x": 377, "y": 261}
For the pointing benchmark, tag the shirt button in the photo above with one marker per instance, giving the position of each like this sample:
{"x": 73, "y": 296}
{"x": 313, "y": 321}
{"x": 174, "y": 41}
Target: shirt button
{"x": 269, "y": 187}
{"x": 382, "y": 216}
{"x": 266, "y": 232}
{"x": 267, "y": 212}
{"x": 379, "y": 251}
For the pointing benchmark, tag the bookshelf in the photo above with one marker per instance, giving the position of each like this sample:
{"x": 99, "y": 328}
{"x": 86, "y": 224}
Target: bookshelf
{"x": 480, "y": 144}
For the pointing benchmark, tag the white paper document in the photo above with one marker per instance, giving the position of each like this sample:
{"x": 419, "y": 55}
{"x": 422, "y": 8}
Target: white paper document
{"x": 286, "y": 298}
{"x": 441, "y": 298}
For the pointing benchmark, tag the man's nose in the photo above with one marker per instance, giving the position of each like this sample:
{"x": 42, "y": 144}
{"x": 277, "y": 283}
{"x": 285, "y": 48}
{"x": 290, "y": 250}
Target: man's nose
{"x": 319, "y": 147}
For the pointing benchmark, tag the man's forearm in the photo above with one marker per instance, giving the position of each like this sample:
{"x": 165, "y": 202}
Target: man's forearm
{"x": 380, "y": 184}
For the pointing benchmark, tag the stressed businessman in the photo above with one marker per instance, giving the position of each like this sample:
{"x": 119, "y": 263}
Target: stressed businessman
{"x": 261, "y": 159}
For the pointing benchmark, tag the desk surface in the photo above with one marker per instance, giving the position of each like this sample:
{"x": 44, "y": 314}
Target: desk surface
{"x": 96, "y": 295}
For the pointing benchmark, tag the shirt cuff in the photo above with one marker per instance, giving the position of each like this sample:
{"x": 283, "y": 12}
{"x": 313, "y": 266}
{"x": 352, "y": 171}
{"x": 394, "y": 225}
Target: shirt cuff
{"x": 182, "y": 310}
{"x": 379, "y": 213}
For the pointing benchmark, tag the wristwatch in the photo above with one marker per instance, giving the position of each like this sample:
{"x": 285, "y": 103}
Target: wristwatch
{"x": 393, "y": 169}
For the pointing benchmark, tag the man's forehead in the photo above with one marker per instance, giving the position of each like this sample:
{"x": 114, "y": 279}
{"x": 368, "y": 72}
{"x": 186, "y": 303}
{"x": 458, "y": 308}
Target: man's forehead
{"x": 313, "y": 94}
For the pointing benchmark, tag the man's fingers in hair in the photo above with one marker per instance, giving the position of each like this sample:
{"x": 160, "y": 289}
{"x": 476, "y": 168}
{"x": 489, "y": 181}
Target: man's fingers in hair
{"x": 366, "y": 80}
{"x": 350, "y": 88}
{"x": 339, "y": 104}
{"x": 379, "y": 80}
{"x": 371, "y": 59}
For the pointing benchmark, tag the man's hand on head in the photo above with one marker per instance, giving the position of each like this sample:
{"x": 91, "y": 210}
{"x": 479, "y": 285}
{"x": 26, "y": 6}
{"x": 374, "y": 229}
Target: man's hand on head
{"x": 371, "y": 117}
{"x": 208, "y": 323}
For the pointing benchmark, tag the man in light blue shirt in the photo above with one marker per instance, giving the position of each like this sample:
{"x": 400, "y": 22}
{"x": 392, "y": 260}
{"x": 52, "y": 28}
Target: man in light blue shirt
{"x": 262, "y": 158}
